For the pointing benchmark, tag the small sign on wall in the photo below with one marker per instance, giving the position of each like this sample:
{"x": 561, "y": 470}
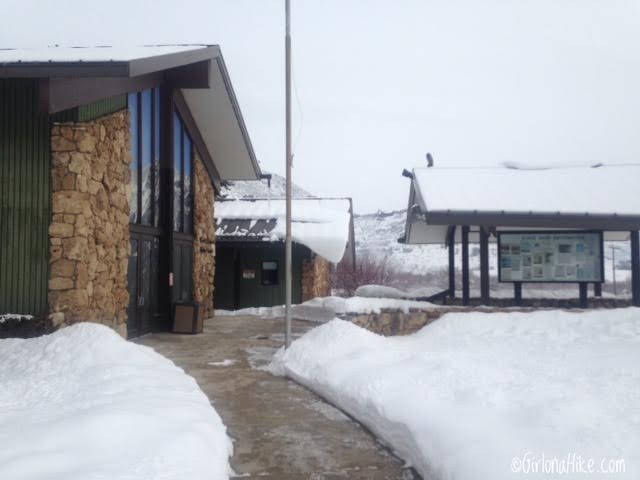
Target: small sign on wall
{"x": 248, "y": 274}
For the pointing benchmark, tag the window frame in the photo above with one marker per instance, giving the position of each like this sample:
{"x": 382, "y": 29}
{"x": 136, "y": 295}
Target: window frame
{"x": 155, "y": 153}
{"x": 263, "y": 282}
{"x": 180, "y": 227}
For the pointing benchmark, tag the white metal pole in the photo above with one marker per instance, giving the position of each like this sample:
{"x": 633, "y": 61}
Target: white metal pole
{"x": 288, "y": 246}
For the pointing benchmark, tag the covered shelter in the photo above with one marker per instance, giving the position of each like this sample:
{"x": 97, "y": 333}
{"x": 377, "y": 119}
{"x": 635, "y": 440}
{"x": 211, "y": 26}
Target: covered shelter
{"x": 476, "y": 205}
{"x": 250, "y": 249}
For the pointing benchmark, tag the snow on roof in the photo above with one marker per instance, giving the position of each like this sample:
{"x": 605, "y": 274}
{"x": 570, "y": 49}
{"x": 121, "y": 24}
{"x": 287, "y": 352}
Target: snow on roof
{"x": 91, "y": 54}
{"x": 321, "y": 224}
{"x": 606, "y": 190}
{"x": 246, "y": 189}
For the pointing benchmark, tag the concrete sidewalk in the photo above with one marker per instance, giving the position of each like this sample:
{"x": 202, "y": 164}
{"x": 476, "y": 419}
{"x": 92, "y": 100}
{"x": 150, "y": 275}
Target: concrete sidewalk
{"x": 280, "y": 429}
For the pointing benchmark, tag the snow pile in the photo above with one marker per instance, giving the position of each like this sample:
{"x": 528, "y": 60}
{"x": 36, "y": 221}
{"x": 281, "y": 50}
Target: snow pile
{"x": 382, "y": 291}
{"x": 323, "y": 309}
{"x": 83, "y": 403}
{"x": 321, "y": 224}
{"x": 470, "y": 392}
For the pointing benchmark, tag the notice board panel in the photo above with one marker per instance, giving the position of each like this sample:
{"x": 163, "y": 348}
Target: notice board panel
{"x": 550, "y": 256}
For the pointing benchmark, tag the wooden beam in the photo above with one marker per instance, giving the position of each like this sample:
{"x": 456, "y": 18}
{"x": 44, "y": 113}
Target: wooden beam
{"x": 597, "y": 289}
{"x": 517, "y": 294}
{"x": 635, "y": 268}
{"x": 584, "y": 289}
{"x": 465, "y": 265}
{"x": 484, "y": 266}
{"x": 451, "y": 243}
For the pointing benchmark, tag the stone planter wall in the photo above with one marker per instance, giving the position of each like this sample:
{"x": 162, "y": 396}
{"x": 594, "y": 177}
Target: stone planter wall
{"x": 397, "y": 322}
{"x": 204, "y": 246}
{"x": 316, "y": 278}
{"x": 89, "y": 230}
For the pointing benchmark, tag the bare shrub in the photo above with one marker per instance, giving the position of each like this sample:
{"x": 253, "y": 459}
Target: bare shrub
{"x": 368, "y": 270}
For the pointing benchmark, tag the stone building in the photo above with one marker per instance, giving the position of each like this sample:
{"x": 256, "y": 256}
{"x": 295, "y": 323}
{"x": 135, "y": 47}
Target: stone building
{"x": 110, "y": 160}
{"x": 251, "y": 250}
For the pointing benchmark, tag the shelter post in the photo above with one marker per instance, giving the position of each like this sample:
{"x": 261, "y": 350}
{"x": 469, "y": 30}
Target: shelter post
{"x": 465, "y": 265}
{"x": 517, "y": 294}
{"x": 597, "y": 289}
{"x": 635, "y": 268}
{"x": 484, "y": 265}
{"x": 584, "y": 288}
{"x": 451, "y": 244}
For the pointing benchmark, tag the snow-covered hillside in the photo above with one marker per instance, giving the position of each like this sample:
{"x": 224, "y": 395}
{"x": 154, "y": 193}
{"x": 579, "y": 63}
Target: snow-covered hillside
{"x": 261, "y": 189}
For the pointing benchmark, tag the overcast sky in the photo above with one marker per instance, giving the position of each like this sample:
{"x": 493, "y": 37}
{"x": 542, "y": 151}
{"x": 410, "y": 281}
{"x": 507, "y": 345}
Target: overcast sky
{"x": 380, "y": 83}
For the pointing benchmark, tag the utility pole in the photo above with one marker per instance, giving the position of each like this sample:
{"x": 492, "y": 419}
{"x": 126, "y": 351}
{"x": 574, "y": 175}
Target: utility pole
{"x": 288, "y": 246}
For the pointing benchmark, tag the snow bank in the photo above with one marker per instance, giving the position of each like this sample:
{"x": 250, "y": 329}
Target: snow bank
{"x": 321, "y": 224}
{"x": 83, "y": 403}
{"x": 323, "y": 309}
{"x": 467, "y": 394}
{"x": 382, "y": 291}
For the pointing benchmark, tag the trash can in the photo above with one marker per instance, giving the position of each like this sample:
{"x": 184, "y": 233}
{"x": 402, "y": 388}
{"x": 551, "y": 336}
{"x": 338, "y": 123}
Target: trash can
{"x": 187, "y": 318}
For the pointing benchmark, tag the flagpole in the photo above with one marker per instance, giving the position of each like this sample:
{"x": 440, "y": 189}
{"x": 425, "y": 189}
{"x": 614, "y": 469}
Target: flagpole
{"x": 288, "y": 244}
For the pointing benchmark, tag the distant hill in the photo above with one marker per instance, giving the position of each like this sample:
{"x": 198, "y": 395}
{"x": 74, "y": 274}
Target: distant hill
{"x": 260, "y": 189}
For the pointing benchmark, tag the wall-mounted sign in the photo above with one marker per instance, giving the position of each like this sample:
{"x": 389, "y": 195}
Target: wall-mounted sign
{"x": 545, "y": 256}
{"x": 248, "y": 274}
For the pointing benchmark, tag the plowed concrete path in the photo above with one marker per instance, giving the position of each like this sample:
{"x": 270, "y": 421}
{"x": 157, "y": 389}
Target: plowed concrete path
{"x": 280, "y": 430}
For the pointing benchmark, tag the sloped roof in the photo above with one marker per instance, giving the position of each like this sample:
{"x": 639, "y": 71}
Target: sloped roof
{"x": 324, "y": 225}
{"x": 603, "y": 190}
{"x": 602, "y": 197}
{"x": 212, "y": 102}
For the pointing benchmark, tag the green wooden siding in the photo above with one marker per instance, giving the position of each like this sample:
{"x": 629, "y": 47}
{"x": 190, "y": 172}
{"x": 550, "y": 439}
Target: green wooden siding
{"x": 24, "y": 199}
{"x": 87, "y": 113}
{"x": 232, "y": 291}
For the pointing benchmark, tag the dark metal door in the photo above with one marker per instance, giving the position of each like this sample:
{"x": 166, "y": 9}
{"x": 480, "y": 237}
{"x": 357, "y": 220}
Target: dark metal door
{"x": 143, "y": 284}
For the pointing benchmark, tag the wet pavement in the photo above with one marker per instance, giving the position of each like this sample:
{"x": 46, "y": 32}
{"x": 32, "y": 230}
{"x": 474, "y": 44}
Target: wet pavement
{"x": 279, "y": 429}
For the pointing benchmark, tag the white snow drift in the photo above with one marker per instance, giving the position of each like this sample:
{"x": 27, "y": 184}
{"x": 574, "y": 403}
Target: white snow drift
{"x": 469, "y": 393}
{"x": 82, "y": 403}
{"x": 321, "y": 224}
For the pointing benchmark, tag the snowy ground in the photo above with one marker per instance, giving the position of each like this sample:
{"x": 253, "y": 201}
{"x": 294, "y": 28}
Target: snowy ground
{"x": 323, "y": 309}
{"x": 83, "y": 403}
{"x": 489, "y": 396}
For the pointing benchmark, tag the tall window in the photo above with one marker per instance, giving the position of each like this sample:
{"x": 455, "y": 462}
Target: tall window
{"x": 144, "y": 108}
{"x": 182, "y": 178}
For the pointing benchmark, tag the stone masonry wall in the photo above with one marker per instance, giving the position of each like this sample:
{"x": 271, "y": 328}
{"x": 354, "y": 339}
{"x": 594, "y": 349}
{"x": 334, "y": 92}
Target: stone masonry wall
{"x": 89, "y": 231}
{"x": 316, "y": 278}
{"x": 204, "y": 246}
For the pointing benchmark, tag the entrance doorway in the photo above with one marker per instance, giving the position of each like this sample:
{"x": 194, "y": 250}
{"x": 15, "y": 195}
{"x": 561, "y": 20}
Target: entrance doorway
{"x": 143, "y": 284}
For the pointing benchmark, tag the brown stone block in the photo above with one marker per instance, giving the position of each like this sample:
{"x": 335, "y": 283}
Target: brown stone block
{"x": 83, "y": 186}
{"x": 85, "y": 141}
{"x": 63, "y": 268}
{"x": 59, "y": 160}
{"x": 66, "y": 131}
{"x": 60, "y": 230}
{"x": 61, "y": 144}
{"x": 68, "y": 300}
{"x": 75, "y": 248}
{"x": 93, "y": 186}
{"x": 68, "y": 202}
{"x": 55, "y": 253}
{"x": 82, "y": 276}
{"x": 60, "y": 283}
